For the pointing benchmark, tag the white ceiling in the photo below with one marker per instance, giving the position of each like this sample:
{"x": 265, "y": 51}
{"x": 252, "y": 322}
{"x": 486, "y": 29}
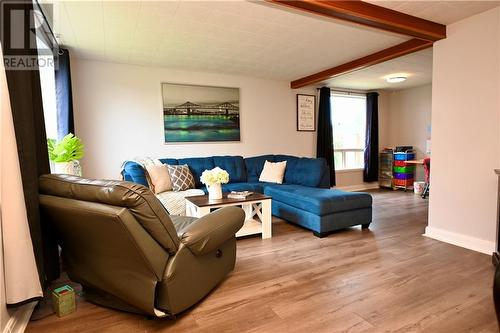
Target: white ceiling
{"x": 416, "y": 66}
{"x": 235, "y": 37}
{"x": 444, "y": 12}
{"x": 240, "y": 37}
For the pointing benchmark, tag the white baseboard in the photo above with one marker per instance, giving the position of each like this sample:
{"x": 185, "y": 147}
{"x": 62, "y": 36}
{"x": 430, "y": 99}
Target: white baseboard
{"x": 471, "y": 243}
{"x": 359, "y": 187}
{"x": 19, "y": 318}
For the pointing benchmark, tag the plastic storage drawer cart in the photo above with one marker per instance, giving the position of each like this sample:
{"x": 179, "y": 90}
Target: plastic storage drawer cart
{"x": 385, "y": 168}
{"x": 403, "y": 173}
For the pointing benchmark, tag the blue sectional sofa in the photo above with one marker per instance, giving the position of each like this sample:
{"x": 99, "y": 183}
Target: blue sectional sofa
{"x": 304, "y": 198}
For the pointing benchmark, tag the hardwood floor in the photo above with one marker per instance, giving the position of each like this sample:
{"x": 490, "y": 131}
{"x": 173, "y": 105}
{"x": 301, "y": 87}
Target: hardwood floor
{"x": 385, "y": 279}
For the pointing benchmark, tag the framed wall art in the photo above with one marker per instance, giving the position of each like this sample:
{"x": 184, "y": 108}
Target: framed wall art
{"x": 306, "y": 113}
{"x": 194, "y": 113}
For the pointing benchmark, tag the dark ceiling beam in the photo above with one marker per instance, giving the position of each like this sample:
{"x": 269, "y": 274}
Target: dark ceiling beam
{"x": 413, "y": 45}
{"x": 370, "y": 15}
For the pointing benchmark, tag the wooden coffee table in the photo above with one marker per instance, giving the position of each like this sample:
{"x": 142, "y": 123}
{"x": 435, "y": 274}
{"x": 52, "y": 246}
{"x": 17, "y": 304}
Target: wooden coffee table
{"x": 256, "y": 205}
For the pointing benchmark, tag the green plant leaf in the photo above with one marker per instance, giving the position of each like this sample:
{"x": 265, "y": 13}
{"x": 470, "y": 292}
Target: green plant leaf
{"x": 70, "y": 148}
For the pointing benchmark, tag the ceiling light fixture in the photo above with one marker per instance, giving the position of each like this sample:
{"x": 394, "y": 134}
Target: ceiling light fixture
{"x": 396, "y": 79}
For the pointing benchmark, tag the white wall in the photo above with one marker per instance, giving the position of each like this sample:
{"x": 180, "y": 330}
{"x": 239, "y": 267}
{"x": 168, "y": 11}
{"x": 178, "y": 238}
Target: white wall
{"x": 349, "y": 179}
{"x": 118, "y": 115}
{"x": 409, "y": 118}
{"x": 465, "y": 133}
{"x": 4, "y": 315}
{"x": 403, "y": 119}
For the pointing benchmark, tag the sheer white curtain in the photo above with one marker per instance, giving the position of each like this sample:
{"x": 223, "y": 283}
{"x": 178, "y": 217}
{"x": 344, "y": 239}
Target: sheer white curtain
{"x": 20, "y": 272}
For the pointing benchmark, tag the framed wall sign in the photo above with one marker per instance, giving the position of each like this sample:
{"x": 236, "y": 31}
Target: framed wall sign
{"x": 306, "y": 113}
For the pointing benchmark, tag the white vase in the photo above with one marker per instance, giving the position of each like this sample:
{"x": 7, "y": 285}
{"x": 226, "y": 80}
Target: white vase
{"x": 214, "y": 191}
{"x": 68, "y": 168}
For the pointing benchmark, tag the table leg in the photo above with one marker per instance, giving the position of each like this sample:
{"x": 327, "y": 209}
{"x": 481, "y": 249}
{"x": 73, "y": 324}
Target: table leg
{"x": 202, "y": 211}
{"x": 190, "y": 209}
{"x": 266, "y": 219}
{"x": 195, "y": 211}
{"x": 247, "y": 208}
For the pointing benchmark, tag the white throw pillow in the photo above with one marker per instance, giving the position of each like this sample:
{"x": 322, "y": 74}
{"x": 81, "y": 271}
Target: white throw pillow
{"x": 273, "y": 172}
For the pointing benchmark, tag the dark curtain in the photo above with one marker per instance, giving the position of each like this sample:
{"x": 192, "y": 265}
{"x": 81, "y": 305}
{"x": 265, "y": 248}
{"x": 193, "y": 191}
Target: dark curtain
{"x": 370, "y": 173}
{"x": 324, "y": 146}
{"x": 27, "y": 112}
{"x": 64, "y": 98}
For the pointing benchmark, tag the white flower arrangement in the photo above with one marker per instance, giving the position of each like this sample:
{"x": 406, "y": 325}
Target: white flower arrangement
{"x": 214, "y": 176}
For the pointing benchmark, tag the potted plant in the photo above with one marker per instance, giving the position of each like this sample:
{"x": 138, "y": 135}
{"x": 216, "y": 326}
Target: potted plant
{"x": 65, "y": 154}
{"x": 213, "y": 180}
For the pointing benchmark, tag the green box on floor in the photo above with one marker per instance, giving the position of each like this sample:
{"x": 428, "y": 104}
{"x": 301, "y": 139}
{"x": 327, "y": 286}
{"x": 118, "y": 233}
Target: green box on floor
{"x": 63, "y": 300}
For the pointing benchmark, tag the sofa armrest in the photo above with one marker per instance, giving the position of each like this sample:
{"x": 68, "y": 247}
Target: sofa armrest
{"x": 210, "y": 231}
{"x": 134, "y": 172}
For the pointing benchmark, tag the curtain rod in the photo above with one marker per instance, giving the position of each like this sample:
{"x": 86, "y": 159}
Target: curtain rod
{"x": 347, "y": 91}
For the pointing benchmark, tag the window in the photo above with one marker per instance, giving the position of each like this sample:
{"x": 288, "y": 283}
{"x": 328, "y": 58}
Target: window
{"x": 48, "y": 87}
{"x": 45, "y": 45}
{"x": 349, "y": 125}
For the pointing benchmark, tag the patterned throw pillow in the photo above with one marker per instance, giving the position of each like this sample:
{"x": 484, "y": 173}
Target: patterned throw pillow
{"x": 181, "y": 177}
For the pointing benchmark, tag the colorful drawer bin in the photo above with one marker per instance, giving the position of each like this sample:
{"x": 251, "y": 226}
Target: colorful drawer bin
{"x": 404, "y": 156}
{"x": 403, "y": 182}
{"x": 404, "y": 169}
{"x": 400, "y": 163}
{"x": 403, "y": 175}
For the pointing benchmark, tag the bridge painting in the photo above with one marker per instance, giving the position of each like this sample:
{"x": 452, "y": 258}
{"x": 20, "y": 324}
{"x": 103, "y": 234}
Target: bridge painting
{"x": 200, "y": 113}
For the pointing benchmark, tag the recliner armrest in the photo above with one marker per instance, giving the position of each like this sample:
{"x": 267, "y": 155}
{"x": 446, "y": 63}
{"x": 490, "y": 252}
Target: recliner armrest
{"x": 210, "y": 231}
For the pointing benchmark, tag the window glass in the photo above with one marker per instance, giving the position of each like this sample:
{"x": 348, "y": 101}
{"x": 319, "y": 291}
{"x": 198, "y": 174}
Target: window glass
{"x": 349, "y": 126}
{"x": 48, "y": 85}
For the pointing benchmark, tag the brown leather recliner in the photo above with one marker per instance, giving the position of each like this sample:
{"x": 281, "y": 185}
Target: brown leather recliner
{"x": 121, "y": 245}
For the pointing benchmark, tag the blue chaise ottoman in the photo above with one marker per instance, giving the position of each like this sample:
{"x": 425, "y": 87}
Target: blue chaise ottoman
{"x": 320, "y": 210}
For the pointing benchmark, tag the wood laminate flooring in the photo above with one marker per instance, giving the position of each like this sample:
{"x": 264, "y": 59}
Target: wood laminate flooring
{"x": 386, "y": 279}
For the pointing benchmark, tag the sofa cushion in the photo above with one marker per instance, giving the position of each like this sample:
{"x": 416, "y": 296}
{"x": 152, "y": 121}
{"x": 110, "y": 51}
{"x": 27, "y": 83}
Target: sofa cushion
{"x": 234, "y": 165}
{"x": 181, "y": 222}
{"x": 318, "y": 201}
{"x": 197, "y": 165}
{"x": 169, "y": 161}
{"x": 325, "y": 223}
{"x": 302, "y": 170}
{"x": 254, "y": 166}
